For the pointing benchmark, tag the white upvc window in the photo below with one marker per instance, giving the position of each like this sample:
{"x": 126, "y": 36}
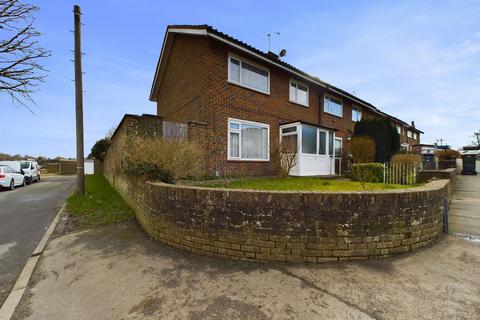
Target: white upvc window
{"x": 298, "y": 93}
{"x": 415, "y": 136}
{"x": 248, "y": 140}
{"x": 399, "y": 129}
{"x": 248, "y": 74}
{"x": 356, "y": 114}
{"x": 333, "y": 106}
{"x": 409, "y": 133}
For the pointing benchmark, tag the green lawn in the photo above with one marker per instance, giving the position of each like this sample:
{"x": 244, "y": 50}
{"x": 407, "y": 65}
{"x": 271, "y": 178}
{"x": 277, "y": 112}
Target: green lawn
{"x": 304, "y": 184}
{"x": 100, "y": 205}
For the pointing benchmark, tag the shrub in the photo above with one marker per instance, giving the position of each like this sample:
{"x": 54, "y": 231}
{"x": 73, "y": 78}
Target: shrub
{"x": 408, "y": 159}
{"x": 385, "y": 135}
{"x": 161, "y": 159}
{"x": 367, "y": 172}
{"x": 285, "y": 155}
{"x": 99, "y": 149}
{"x": 362, "y": 149}
{"x": 447, "y": 154}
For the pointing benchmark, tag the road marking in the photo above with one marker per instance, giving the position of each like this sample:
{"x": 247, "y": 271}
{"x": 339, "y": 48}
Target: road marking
{"x": 14, "y": 297}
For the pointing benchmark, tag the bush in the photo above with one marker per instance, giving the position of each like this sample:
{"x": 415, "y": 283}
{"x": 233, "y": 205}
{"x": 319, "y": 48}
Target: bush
{"x": 447, "y": 154}
{"x": 99, "y": 149}
{"x": 367, "y": 172}
{"x": 285, "y": 155}
{"x": 161, "y": 159}
{"x": 362, "y": 149}
{"x": 385, "y": 135}
{"x": 408, "y": 159}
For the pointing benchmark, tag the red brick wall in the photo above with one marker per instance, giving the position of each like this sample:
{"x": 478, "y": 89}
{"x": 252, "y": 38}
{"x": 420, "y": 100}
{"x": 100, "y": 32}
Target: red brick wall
{"x": 182, "y": 94}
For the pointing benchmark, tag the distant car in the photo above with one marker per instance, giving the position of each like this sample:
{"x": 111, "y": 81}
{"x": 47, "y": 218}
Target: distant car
{"x": 9, "y": 178}
{"x": 31, "y": 170}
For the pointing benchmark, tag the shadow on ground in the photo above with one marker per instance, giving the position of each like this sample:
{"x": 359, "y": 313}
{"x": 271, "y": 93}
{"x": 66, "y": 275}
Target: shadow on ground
{"x": 117, "y": 272}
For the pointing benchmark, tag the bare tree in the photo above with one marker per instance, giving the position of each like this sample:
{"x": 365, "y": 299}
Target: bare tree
{"x": 20, "y": 52}
{"x": 288, "y": 151}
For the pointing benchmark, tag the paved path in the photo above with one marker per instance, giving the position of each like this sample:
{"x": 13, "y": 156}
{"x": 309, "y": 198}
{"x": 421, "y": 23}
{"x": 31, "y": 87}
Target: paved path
{"x": 464, "y": 215}
{"x": 117, "y": 272}
{"x": 25, "y": 214}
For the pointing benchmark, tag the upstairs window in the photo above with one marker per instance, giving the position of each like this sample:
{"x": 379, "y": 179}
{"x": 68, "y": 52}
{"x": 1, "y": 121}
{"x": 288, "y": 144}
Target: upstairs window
{"x": 248, "y": 75}
{"x": 399, "y": 129}
{"x": 356, "y": 114}
{"x": 409, "y": 133}
{"x": 298, "y": 93}
{"x": 333, "y": 106}
{"x": 247, "y": 140}
{"x": 415, "y": 136}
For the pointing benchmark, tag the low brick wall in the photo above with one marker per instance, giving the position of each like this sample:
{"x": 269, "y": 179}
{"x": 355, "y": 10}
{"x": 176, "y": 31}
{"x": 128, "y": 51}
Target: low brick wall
{"x": 287, "y": 226}
{"x": 428, "y": 175}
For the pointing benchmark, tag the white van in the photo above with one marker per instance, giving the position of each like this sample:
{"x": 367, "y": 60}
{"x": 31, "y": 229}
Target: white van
{"x": 30, "y": 170}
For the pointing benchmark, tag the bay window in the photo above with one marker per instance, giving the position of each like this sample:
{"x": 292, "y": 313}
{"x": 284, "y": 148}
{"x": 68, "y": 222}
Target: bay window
{"x": 298, "y": 93}
{"x": 248, "y": 74}
{"x": 248, "y": 140}
{"x": 333, "y": 106}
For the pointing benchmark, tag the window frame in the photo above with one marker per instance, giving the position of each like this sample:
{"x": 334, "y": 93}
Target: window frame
{"x": 239, "y": 131}
{"x": 415, "y": 136}
{"x": 296, "y": 89}
{"x": 256, "y": 65}
{"x": 410, "y": 134}
{"x": 359, "y": 111}
{"x": 327, "y": 147}
{"x": 329, "y": 96}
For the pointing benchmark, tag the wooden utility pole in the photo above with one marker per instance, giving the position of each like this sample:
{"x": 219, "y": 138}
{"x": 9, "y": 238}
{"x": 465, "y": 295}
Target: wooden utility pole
{"x": 79, "y": 100}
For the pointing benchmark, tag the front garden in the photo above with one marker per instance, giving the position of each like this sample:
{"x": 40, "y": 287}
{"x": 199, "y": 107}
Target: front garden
{"x": 298, "y": 184}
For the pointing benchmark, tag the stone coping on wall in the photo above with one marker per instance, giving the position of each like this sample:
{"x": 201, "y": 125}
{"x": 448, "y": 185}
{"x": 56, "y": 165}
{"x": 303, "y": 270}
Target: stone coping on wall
{"x": 305, "y": 226}
{"x": 429, "y": 186}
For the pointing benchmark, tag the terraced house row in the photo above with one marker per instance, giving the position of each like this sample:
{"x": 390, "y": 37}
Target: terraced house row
{"x": 243, "y": 101}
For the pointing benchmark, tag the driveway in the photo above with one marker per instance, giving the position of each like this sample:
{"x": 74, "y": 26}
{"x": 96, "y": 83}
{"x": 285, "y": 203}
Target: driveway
{"x": 25, "y": 214}
{"x": 117, "y": 272}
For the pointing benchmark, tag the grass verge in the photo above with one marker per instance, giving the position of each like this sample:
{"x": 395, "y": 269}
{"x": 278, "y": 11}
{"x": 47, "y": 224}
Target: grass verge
{"x": 305, "y": 184}
{"x": 100, "y": 205}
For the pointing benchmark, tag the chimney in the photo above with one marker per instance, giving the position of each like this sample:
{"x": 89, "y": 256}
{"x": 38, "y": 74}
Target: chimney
{"x": 413, "y": 124}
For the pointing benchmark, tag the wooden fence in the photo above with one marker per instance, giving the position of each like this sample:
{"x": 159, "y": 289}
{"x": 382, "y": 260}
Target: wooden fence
{"x": 174, "y": 130}
{"x": 400, "y": 173}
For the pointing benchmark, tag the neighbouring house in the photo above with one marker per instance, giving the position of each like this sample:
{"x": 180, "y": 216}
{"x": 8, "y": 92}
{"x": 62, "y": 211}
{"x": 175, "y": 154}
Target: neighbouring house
{"x": 244, "y": 101}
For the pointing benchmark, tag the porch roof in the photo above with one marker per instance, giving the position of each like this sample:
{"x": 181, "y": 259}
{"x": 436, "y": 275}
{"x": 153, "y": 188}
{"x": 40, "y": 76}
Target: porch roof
{"x": 310, "y": 124}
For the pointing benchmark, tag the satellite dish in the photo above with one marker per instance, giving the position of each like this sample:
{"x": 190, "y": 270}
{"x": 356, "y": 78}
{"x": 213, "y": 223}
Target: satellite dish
{"x": 283, "y": 53}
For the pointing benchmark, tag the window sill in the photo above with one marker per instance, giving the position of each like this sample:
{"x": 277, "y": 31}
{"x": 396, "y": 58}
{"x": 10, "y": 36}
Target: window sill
{"x": 299, "y": 104}
{"x": 332, "y": 114}
{"x": 248, "y": 160}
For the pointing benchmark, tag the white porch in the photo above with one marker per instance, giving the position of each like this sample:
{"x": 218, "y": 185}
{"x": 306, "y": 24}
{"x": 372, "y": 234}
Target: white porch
{"x": 319, "y": 151}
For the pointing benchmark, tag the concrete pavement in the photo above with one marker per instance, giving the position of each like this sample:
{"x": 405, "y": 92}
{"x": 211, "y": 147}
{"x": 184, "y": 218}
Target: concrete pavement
{"x": 464, "y": 215}
{"x": 25, "y": 214}
{"x": 117, "y": 272}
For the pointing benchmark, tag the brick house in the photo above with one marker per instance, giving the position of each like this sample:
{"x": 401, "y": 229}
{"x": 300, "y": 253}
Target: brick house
{"x": 242, "y": 101}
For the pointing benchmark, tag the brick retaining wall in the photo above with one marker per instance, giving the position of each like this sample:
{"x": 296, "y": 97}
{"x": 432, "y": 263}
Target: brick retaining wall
{"x": 287, "y": 226}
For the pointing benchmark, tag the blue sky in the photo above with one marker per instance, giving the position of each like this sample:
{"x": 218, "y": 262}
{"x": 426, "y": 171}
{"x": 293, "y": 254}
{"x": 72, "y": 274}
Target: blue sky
{"x": 416, "y": 60}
